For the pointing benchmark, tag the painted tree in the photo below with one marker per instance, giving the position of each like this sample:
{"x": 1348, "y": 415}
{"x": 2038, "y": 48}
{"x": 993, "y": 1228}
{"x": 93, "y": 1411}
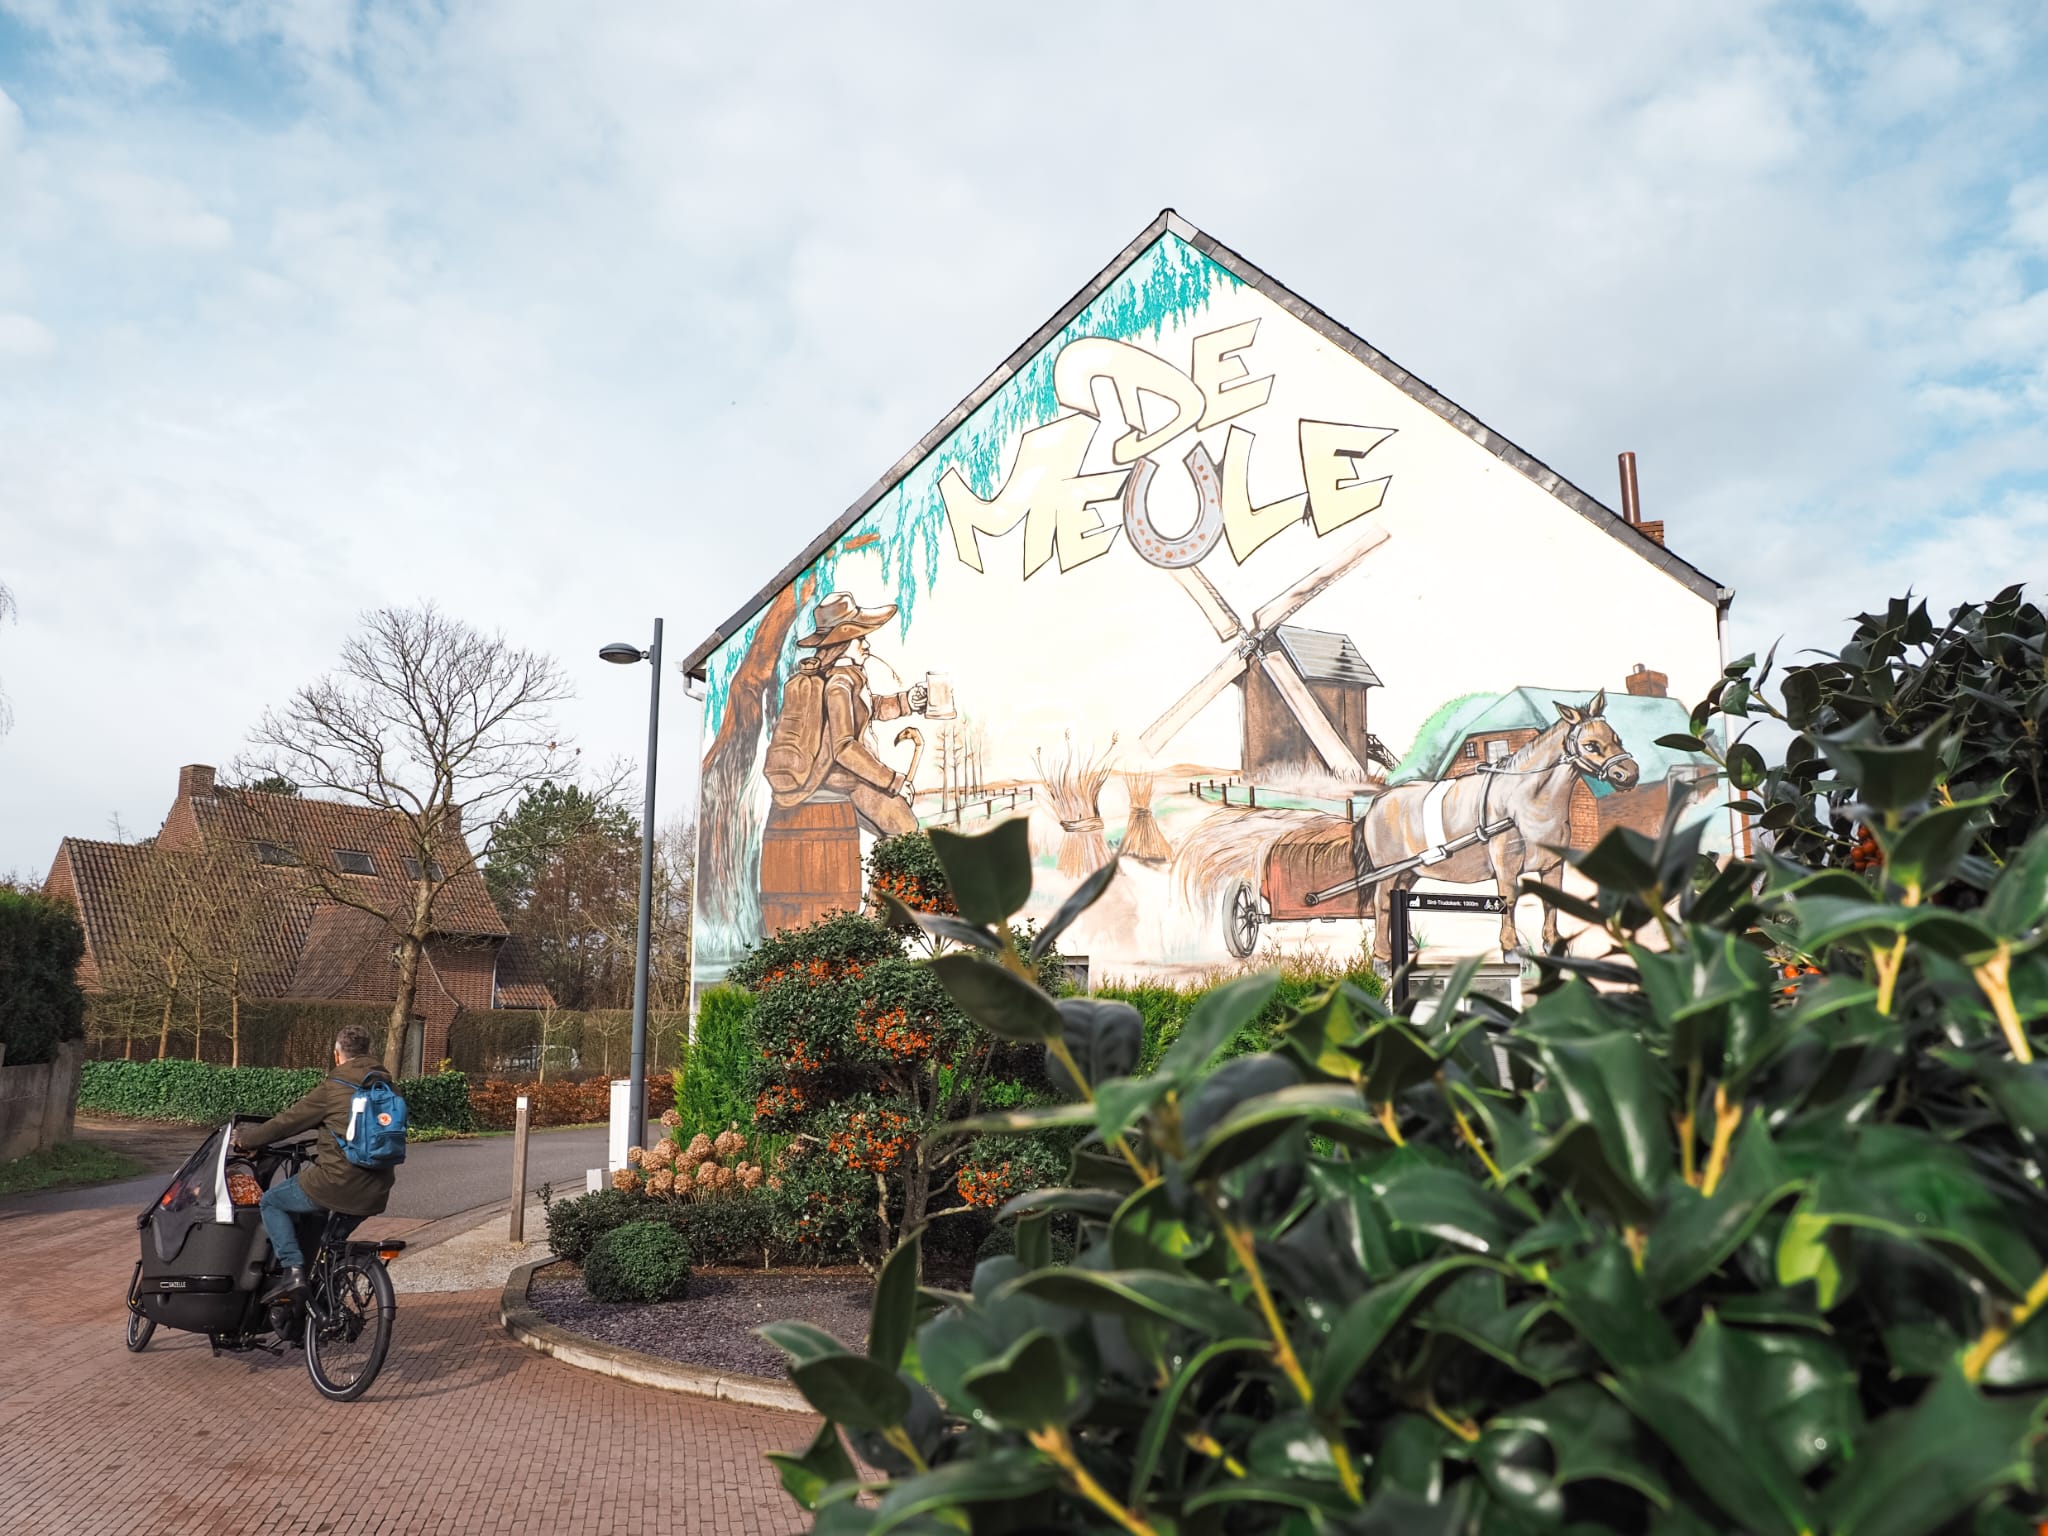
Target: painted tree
{"x": 439, "y": 725}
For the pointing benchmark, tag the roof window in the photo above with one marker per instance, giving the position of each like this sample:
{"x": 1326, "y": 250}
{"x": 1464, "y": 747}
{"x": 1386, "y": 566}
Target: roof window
{"x": 351, "y": 861}
{"x": 275, "y": 853}
{"x": 434, "y": 870}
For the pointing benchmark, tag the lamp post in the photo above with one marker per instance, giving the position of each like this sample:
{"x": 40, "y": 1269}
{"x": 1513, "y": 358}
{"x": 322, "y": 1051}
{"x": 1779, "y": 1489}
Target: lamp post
{"x": 636, "y": 1083}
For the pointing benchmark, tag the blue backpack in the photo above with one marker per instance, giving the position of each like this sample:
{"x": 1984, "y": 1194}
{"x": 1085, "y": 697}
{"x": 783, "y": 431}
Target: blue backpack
{"x": 375, "y": 1137}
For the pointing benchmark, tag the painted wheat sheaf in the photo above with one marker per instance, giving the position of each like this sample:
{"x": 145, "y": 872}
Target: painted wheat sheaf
{"x": 1074, "y": 787}
{"x": 1143, "y": 838}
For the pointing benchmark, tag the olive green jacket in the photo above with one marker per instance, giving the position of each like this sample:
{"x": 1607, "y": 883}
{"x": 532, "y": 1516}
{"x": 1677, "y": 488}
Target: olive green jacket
{"x": 333, "y": 1181}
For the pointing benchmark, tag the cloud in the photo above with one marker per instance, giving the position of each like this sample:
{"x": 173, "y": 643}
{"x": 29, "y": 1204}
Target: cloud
{"x": 569, "y": 317}
{"x": 24, "y": 337}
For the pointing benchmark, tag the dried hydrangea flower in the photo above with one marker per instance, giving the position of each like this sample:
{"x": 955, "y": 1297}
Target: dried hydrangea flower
{"x": 627, "y": 1179}
{"x": 707, "y": 1174}
{"x": 751, "y": 1176}
{"x": 634, "y": 1156}
{"x": 730, "y": 1144}
{"x": 661, "y": 1182}
{"x": 671, "y": 1119}
{"x": 700, "y": 1146}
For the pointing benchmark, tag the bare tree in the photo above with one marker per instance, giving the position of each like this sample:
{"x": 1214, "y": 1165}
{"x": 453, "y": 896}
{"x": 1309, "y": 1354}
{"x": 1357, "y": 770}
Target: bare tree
{"x": 437, "y": 724}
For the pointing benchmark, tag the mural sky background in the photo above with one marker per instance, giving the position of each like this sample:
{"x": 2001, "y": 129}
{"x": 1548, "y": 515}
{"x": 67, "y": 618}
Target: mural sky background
{"x": 570, "y": 317}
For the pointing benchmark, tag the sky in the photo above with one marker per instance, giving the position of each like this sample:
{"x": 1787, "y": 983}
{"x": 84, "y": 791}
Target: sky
{"x": 565, "y": 317}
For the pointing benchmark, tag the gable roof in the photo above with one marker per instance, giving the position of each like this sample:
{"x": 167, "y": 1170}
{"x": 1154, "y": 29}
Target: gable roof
{"x": 1639, "y": 719}
{"x": 239, "y": 819}
{"x": 1171, "y": 223}
{"x": 1323, "y": 657}
{"x": 202, "y": 882}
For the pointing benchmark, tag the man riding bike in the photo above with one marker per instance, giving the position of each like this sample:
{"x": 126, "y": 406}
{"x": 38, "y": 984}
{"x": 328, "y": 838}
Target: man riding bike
{"x": 333, "y": 1183}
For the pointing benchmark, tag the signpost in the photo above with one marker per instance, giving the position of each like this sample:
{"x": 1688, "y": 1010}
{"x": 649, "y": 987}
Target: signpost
{"x": 1399, "y": 941}
{"x": 519, "y": 1124}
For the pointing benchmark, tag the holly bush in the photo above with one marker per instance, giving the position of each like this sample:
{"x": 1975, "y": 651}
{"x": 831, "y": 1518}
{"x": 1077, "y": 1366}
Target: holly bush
{"x": 1972, "y": 691}
{"x": 1700, "y": 1248}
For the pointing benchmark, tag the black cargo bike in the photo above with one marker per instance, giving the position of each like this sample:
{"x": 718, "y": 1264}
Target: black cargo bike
{"x": 206, "y": 1262}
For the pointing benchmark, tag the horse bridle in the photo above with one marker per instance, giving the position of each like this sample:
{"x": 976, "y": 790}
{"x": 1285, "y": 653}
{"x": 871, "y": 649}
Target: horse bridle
{"x": 1575, "y": 756}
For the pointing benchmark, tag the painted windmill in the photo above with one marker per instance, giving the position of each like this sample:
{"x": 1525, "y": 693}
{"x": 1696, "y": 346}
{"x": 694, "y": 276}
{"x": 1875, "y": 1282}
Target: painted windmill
{"x": 1293, "y": 679}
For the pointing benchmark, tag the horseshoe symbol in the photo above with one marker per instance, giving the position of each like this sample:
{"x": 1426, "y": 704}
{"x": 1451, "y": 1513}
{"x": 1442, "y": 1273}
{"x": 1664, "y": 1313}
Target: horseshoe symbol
{"x": 1171, "y": 553}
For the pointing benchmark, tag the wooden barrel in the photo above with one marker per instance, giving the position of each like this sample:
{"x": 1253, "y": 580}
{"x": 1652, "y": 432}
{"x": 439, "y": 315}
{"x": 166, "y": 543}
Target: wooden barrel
{"x": 810, "y": 864}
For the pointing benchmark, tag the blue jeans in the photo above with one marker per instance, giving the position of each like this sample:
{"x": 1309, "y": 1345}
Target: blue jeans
{"x": 281, "y": 1205}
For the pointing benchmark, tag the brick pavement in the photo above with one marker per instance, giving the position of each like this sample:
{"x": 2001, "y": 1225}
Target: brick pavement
{"x": 464, "y": 1431}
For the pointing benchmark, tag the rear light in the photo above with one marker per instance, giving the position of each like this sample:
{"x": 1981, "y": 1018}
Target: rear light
{"x": 388, "y": 1254}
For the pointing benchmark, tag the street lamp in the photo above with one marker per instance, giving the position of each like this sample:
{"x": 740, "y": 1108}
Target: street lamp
{"x": 636, "y": 1086}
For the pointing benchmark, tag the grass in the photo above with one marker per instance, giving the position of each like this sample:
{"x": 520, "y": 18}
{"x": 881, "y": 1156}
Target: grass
{"x": 68, "y": 1162}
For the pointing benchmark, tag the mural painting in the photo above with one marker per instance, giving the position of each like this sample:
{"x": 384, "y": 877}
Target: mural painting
{"x": 1202, "y": 582}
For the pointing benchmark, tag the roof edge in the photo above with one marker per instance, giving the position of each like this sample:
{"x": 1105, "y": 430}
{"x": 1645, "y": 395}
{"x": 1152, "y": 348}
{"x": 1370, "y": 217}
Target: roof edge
{"x": 1168, "y": 221}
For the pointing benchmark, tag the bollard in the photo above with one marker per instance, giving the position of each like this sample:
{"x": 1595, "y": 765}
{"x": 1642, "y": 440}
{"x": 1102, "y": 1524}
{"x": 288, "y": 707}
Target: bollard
{"x": 519, "y": 1172}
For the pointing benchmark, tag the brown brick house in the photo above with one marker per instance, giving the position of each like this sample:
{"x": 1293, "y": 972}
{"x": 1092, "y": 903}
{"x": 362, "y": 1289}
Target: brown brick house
{"x": 296, "y": 940}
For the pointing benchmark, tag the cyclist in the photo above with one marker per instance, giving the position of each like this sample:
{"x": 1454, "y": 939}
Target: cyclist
{"x": 333, "y": 1183}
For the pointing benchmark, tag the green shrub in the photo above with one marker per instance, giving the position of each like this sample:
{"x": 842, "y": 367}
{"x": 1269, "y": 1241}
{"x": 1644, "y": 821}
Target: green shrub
{"x": 1752, "y": 1237}
{"x": 716, "y": 1071}
{"x": 730, "y": 1229}
{"x": 440, "y": 1101}
{"x": 642, "y": 1261}
{"x": 575, "y": 1225}
{"x": 41, "y": 1006}
{"x": 1163, "y": 1007}
{"x": 193, "y": 1093}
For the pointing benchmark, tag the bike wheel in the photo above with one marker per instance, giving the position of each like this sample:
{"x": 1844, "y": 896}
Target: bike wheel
{"x": 348, "y": 1327}
{"x": 139, "y": 1330}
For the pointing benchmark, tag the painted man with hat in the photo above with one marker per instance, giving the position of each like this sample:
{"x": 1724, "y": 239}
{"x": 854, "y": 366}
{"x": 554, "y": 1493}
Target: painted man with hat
{"x": 820, "y": 742}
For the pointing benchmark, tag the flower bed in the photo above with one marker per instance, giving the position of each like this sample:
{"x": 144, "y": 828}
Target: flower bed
{"x": 712, "y": 1326}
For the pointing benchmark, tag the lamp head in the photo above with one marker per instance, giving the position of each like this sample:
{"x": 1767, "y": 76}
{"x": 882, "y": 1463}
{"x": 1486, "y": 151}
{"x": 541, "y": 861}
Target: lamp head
{"x": 625, "y": 655}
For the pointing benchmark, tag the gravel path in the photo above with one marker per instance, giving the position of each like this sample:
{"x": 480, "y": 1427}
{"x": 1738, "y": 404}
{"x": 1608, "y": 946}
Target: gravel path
{"x": 710, "y": 1326}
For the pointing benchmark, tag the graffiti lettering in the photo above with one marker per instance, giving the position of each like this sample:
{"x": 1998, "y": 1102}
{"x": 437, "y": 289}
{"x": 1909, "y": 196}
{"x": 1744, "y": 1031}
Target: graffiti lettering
{"x": 1057, "y": 504}
{"x": 1129, "y": 370}
{"x": 1330, "y": 452}
{"x": 1229, "y": 394}
{"x": 1045, "y": 493}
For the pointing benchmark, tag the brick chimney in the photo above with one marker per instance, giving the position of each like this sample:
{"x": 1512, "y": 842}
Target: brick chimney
{"x": 1645, "y": 684}
{"x": 194, "y": 780}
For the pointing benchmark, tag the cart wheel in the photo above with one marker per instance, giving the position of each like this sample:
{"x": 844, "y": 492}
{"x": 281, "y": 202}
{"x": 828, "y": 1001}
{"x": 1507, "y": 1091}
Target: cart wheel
{"x": 1241, "y": 920}
{"x": 139, "y": 1330}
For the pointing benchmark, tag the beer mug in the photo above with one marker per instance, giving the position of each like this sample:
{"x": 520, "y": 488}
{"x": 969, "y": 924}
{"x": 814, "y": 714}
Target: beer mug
{"x": 938, "y": 688}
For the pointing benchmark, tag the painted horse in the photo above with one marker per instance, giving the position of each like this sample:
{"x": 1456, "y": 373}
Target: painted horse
{"x": 1500, "y": 822}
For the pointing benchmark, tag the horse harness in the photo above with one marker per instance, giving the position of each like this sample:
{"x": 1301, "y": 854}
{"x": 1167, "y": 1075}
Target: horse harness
{"x": 1437, "y": 845}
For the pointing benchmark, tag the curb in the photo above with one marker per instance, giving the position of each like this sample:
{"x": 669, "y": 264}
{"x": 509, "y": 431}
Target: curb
{"x": 525, "y": 1324}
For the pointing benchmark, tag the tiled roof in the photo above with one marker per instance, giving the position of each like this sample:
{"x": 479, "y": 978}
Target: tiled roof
{"x": 294, "y": 939}
{"x": 519, "y": 983}
{"x": 315, "y": 829}
{"x": 337, "y": 957}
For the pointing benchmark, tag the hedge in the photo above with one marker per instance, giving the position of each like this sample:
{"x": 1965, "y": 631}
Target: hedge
{"x": 506, "y": 1042}
{"x": 193, "y": 1093}
{"x": 1164, "y": 1008}
{"x": 275, "y": 1032}
{"x": 40, "y": 1003}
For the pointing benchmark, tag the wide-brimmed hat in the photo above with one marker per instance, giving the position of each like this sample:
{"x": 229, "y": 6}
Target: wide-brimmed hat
{"x": 839, "y": 617}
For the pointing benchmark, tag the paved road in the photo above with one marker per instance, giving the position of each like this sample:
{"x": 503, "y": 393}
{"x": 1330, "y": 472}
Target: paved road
{"x": 463, "y": 1432}
{"x": 438, "y": 1179}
